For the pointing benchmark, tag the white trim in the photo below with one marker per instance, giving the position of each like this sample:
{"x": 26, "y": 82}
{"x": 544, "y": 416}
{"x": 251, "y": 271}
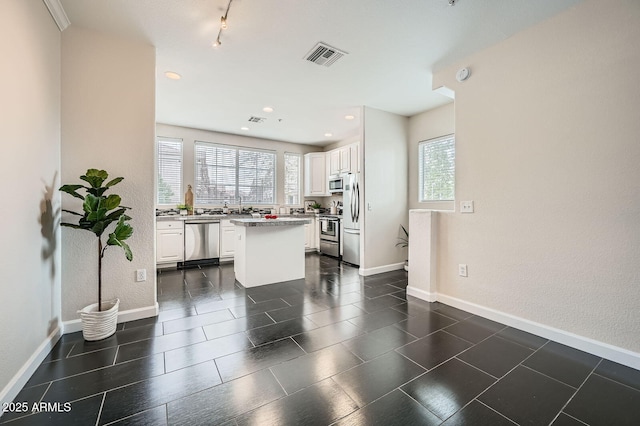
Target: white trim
{"x": 123, "y": 316}
{"x": 381, "y": 269}
{"x": 18, "y": 381}
{"x": 445, "y": 91}
{"x": 421, "y": 294}
{"x": 58, "y": 14}
{"x": 601, "y": 349}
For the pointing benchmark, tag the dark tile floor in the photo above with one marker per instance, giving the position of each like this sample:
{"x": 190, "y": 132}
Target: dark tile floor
{"x": 334, "y": 348}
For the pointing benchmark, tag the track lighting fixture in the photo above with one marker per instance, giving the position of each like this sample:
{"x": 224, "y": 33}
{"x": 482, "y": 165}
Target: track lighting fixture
{"x": 223, "y": 25}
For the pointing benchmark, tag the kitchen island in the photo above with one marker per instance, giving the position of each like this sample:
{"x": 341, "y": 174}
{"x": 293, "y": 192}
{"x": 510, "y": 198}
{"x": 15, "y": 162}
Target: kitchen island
{"x": 268, "y": 251}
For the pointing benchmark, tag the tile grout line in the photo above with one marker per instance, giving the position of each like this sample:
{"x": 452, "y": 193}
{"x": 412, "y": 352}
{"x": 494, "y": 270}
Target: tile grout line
{"x": 505, "y": 375}
{"x": 104, "y": 396}
{"x": 577, "y": 390}
{"x": 418, "y": 402}
{"x": 615, "y": 381}
{"x": 492, "y": 409}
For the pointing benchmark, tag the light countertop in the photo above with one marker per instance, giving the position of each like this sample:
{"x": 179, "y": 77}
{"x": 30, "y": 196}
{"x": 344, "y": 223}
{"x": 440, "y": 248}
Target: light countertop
{"x": 286, "y": 221}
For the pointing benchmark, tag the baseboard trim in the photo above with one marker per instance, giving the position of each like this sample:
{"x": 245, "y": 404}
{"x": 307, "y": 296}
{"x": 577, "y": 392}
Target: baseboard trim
{"x": 421, "y": 294}
{"x": 381, "y": 269}
{"x": 75, "y": 325}
{"x": 18, "y": 381}
{"x": 601, "y": 349}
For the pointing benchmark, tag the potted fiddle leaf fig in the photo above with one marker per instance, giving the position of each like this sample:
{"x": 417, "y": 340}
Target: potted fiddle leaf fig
{"x": 100, "y": 212}
{"x": 403, "y": 241}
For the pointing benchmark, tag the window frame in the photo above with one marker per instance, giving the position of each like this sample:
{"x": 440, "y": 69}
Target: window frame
{"x": 159, "y": 140}
{"x": 298, "y": 183}
{"x": 238, "y": 149}
{"x": 443, "y": 204}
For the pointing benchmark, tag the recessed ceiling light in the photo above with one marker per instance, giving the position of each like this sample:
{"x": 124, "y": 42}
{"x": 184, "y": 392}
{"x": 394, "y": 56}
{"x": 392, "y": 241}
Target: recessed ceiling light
{"x": 244, "y": 128}
{"x": 267, "y": 109}
{"x": 349, "y": 117}
{"x": 328, "y": 135}
{"x": 172, "y": 75}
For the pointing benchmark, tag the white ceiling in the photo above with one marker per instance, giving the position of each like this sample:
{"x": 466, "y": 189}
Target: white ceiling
{"x": 393, "y": 48}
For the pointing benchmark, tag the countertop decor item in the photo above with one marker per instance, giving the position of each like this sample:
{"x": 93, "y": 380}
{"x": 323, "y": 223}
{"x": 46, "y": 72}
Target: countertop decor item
{"x": 188, "y": 200}
{"x": 100, "y": 211}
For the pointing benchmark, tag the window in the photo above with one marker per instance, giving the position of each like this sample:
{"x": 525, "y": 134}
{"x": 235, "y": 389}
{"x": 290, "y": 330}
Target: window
{"x": 292, "y": 168}
{"x": 227, "y": 174}
{"x": 437, "y": 169}
{"x": 169, "y": 171}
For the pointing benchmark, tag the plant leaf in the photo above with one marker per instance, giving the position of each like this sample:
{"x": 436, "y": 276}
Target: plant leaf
{"x": 114, "y": 181}
{"x": 71, "y": 189}
{"x": 122, "y": 232}
{"x": 72, "y": 212}
{"x": 71, "y": 225}
{"x": 111, "y": 202}
{"x": 95, "y": 177}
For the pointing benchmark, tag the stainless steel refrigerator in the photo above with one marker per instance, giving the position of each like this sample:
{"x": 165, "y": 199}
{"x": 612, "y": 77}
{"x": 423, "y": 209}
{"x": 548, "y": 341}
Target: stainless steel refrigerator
{"x": 351, "y": 220}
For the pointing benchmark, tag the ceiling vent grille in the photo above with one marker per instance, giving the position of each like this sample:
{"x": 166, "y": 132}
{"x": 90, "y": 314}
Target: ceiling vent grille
{"x": 255, "y": 119}
{"x": 323, "y": 54}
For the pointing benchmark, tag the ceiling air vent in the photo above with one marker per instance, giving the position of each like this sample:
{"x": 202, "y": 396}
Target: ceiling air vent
{"x": 255, "y": 119}
{"x": 323, "y": 54}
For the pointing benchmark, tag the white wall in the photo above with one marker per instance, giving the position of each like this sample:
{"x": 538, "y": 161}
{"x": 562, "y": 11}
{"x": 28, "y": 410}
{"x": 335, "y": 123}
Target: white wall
{"x": 189, "y": 136}
{"x": 384, "y": 178}
{"x": 108, "y": 122}
{"x": 547, "y": 146}
{"x": 427, "y": 125}
{"x": 29, "y": 177}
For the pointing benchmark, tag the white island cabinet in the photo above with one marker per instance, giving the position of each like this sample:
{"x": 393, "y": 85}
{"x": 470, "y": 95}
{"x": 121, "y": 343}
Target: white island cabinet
{"x": 227, "y": 239}
{"x": 268, "y": 251}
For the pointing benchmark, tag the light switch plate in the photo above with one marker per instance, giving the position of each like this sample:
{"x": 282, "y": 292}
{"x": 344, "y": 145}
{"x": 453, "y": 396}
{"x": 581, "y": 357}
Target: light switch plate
{"x": 466, "y": 206}
{"x": 462, "y": 270}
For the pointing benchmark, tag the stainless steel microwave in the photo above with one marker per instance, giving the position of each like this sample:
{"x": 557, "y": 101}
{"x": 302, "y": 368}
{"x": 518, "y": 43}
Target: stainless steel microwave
{"x": 336, "y": 185}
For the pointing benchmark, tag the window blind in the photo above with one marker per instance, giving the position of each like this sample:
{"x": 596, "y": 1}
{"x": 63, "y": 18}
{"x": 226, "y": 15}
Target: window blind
{"x": 437, "y": 169}
{"x": 169, "y": 184}
{"x": 227, "y": 173}
{"x": 292, "y": 170}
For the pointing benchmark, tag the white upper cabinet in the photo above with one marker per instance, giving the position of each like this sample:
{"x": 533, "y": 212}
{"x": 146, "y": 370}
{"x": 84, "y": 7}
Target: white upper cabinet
{"x": 355, "y": 157}
{"x": 345, "y": 159}
{"x": 315, "y": 174}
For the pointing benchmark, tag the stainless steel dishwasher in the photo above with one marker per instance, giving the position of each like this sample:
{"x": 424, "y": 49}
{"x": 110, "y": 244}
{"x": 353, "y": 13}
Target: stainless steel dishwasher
{"x": 201, "y": 242}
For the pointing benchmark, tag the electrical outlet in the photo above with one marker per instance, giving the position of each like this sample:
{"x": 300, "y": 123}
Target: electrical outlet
{"x": 462, "y": 270}
{"x": 141, "y": 275}
{"x": 466, "y": 206}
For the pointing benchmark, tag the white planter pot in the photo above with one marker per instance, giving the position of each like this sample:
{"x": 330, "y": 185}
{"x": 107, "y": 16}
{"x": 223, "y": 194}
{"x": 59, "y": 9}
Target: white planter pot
{"x": 98, "y": 325}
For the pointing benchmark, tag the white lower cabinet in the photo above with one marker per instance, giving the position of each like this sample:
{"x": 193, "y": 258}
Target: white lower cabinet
{"x": 227, "y": 239}
{"x": 169, "y": 241}
{"x": 310, "y": 241}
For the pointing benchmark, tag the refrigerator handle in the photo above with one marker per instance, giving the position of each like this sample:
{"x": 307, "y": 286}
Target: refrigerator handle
{"x": 351, "y": 231}
{"x": 353, "y": 193}
{"x": 357, "y": 203}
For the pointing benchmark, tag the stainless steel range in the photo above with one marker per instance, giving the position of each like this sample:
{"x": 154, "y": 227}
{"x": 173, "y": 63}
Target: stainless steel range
{"x": 330, "y": 235}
